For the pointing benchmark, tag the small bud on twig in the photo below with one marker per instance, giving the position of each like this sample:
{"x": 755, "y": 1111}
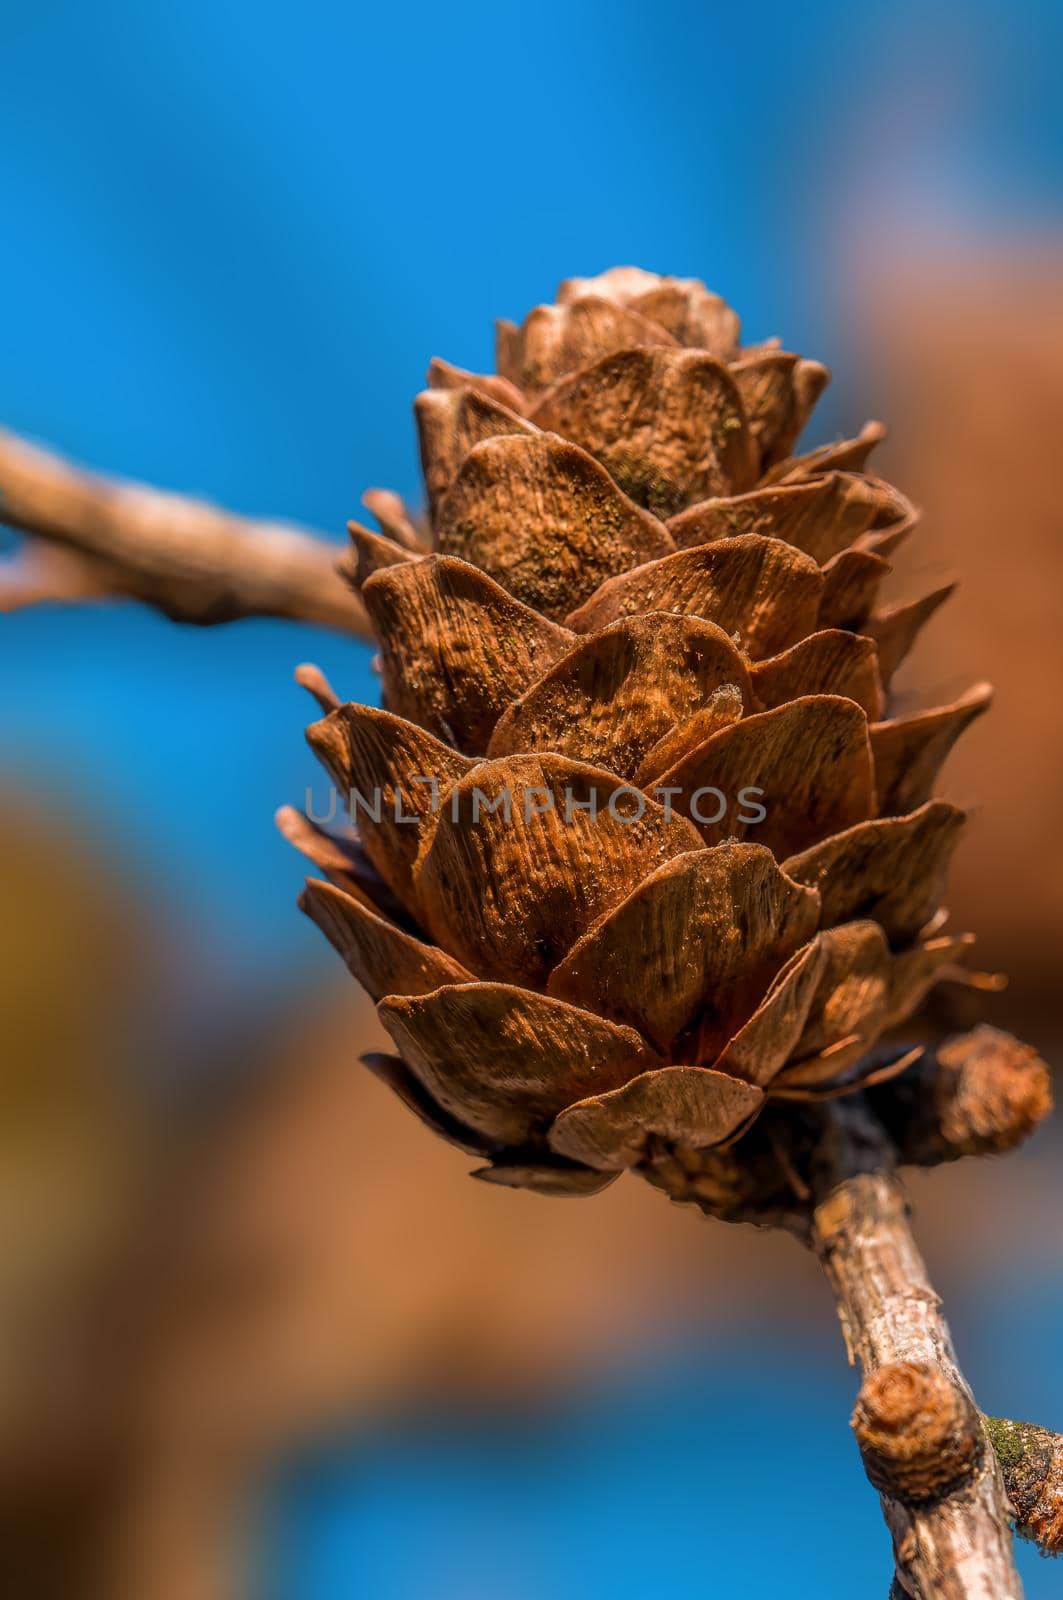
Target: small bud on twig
{"x": 918, "y": 1433}
{"x": 979, "y": 1094}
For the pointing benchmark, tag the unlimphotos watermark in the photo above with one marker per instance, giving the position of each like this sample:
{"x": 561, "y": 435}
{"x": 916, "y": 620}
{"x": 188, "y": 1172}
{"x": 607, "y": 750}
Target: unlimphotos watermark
{"x": 624, "y": 803}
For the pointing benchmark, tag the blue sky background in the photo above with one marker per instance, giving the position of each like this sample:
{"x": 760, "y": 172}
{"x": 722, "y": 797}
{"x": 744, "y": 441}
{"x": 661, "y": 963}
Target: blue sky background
{"x": 725, "y": 1473}
{"x": 232, "y": 235}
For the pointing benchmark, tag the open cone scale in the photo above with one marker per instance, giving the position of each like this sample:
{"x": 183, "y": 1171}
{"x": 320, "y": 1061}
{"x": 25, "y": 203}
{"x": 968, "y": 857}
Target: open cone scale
{"x": 642, "y": 848}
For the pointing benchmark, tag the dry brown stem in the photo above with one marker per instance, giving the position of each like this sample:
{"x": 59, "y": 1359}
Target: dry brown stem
{"x": 188, "y": 559}
{"x": 956, "y": 1546}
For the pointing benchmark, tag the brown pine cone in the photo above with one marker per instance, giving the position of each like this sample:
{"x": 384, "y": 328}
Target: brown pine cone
{"x": 639, "y": 847}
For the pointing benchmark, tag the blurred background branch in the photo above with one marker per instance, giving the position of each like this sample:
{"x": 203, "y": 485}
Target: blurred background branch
{"x": 91, "y": 537}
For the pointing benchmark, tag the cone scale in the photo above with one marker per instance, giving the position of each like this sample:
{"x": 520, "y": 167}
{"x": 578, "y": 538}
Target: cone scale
{"x": 645, "y": 862}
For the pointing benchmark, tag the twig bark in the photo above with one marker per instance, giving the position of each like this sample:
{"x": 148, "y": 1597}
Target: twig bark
{"x": 188, "y": 559}
{"x": 957, "y": 1546}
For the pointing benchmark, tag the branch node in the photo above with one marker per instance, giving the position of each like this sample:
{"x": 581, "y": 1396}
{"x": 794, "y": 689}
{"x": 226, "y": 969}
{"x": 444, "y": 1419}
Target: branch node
{"x": 918, "y": 1432}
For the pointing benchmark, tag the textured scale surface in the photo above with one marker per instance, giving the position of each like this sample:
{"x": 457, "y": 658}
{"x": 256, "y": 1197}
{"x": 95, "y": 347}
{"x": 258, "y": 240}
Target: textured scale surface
{"x": 628, "y": 601}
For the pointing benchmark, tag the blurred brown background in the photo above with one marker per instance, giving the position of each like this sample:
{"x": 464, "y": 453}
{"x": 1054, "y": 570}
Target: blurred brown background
{"x": 194, "y": 1279}
{"x": 232, "y": 238}
{"x": 966, "y": 352}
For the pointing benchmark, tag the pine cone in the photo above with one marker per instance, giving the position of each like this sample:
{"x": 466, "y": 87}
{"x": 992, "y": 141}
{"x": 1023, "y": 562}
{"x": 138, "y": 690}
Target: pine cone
{"x": 639, "y": 847}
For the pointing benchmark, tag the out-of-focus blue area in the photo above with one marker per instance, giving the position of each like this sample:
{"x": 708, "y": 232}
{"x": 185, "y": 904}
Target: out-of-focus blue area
{"x": 731, "y": 1473}
{"x": 233, "y": 235}
{"x": 661, "y": 1486}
